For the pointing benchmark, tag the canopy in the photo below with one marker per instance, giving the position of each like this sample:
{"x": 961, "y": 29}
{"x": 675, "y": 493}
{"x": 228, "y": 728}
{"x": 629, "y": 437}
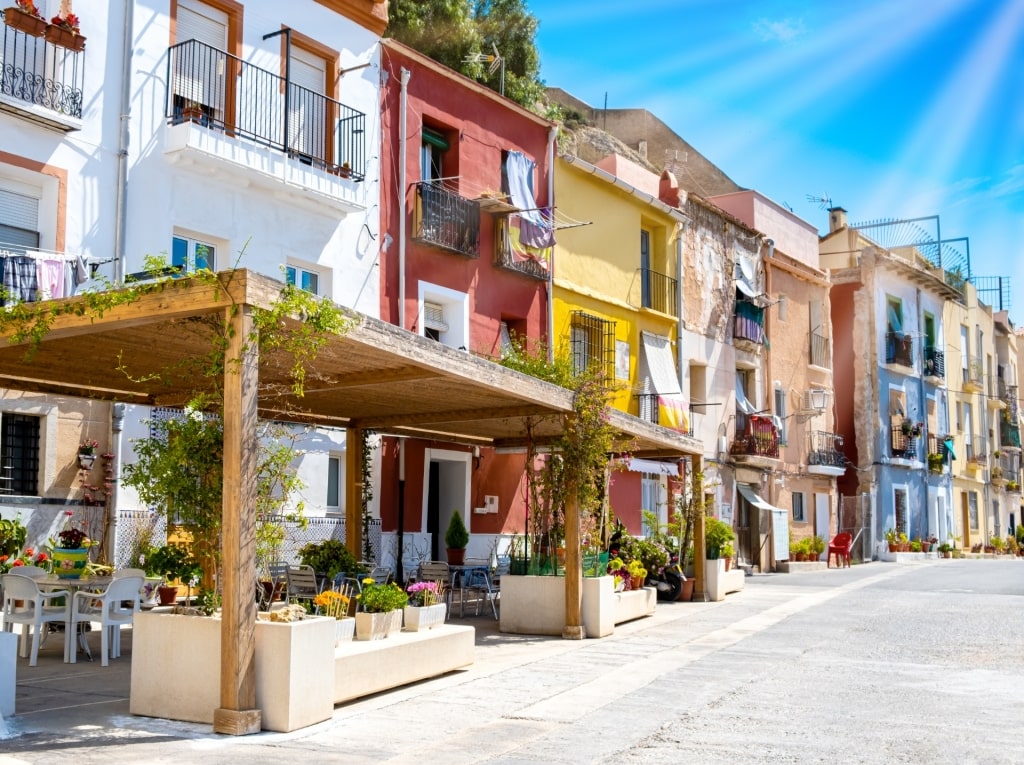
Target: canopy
{"x": 754, "y": 498}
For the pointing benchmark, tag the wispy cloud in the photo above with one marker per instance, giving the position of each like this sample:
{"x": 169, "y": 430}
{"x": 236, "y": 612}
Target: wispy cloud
{"x": 783, "y": 30}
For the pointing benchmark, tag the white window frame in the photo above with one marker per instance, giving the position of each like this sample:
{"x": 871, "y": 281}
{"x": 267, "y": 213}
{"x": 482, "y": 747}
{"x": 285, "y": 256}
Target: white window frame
{"x": 293, "y": 272}
{"x": 44, "y": 188}
{"x": 192, "y": 241}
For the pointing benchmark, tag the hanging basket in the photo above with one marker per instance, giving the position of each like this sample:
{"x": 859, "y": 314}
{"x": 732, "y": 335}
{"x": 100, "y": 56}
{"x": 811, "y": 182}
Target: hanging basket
{"x": 64, "y": 37}
{"x": 16, "y": 18}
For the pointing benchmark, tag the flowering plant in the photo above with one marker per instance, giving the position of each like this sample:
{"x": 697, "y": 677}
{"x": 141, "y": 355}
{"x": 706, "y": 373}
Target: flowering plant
{"x": 28, "y": 557}
{"x": 88, "y": 446}
{"x": 71, "y": 537}
{"x": 28, "y": 7}
{"x": 332, "y": 603}
{"x": 381, "y": 598}
{"x": 69, "y": 22}
{"x": 425, "y": 593}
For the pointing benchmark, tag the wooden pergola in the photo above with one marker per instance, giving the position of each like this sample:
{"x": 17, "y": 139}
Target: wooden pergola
{"x": 375, "y": 377}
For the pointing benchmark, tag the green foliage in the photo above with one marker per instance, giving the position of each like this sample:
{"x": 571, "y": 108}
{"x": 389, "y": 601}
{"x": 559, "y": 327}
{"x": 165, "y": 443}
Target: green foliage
{"x": 450, "y": 31}
{"x": 716, "y": 534}
{"x": 818, "y": 545}
{"x": 174, "y": 561}
{"x": 330, "y": 558}
{"x": 381, "y": 598}
{"x": 456, "y": 537}
{"x": 208, "y": 602}
{"x": 728, "y": 551}
{"x": 12, "y": 535}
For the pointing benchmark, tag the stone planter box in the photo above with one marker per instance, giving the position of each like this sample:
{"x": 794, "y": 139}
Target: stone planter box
{"x": 378, "y": 626}
{"x": 416, "y": 618}
{"x": 720, "y": 582}
{"x": 176, "y": 669}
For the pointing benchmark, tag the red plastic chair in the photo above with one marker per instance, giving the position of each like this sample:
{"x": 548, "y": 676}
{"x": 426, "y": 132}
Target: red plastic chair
{"x": 840, "y": 547}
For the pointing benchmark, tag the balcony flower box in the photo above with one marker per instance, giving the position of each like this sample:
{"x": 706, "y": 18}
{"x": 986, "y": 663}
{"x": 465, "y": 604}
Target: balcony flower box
{"x": 65, "y": 38}
{"x": 24, "y": 21}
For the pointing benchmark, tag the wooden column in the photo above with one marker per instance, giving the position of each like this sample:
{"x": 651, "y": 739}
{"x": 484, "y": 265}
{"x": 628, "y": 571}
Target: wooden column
{"x": 573, "y": 570}
{"x": 354, "y": 491}
{"x": 699, "y": 585}
{"x": 237, "y": 714}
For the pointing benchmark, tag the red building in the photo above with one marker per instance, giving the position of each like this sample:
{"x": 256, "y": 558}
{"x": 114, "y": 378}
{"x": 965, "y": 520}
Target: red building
{"x": 462, "y": 168}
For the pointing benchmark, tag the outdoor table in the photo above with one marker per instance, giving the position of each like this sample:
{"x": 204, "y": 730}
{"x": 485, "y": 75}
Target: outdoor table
{"x": 463, "y": 574}
{"x": 52, "y": 582}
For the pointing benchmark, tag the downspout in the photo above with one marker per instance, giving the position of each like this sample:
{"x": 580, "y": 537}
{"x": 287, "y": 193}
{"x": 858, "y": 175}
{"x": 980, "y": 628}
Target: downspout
{"x": 680, "y": 360}
{"x": 403, "y": 140}
{"x": 552, "y": 134}
{"x": 113, "y": 480}
{"x": 769, "y": 403}
{"x": 121, "y": 194}
{"x": 924, "y": 411}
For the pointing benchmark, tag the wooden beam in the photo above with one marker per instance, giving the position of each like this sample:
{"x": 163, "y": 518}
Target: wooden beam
{"x": 573, "y": 568}
{"x": 78, "y": 389}
{"x": 237, "y": 714}
{"x": 354, "y": 491}
{"x": 454, "y": 415}
{"x": 375, "y": 377}
{"x": 699, "y": 553}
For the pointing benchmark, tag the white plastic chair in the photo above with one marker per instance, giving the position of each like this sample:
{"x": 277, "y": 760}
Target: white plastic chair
{"x": 34, "y": 613}
{"x": 105, "y": 608}
{"x": 33, "y": 572}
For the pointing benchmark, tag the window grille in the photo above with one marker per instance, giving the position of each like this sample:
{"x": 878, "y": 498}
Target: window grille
{"x": 19, "y": 454}
{"x": 592, "y": 342}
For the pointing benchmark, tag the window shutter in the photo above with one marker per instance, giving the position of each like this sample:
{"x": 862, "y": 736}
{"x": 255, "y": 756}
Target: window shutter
{"x": 19, "y": 210}
{"x": 196, "y": 21}
{"x": 433, "y": 317}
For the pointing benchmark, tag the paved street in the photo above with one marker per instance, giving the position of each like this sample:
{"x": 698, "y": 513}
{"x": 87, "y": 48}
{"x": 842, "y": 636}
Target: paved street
{"x": 882, "y": 663}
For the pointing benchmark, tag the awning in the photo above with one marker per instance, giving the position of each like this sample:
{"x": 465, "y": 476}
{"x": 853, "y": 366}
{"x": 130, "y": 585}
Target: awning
{"x": 658, "y": 363}
{"x": 638, "y": 465}
{"x": 754, "y": 498}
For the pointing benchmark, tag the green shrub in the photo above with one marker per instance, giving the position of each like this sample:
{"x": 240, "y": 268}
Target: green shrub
{"x": 329, "y": 558}
{"x": 716, "y": 534}
{"x": 456, "y": 537}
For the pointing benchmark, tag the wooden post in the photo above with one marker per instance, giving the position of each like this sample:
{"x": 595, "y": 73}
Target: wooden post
{"x": 573, "y": 569}
{"x": 237, "y": 714}
{"x": 354, "y": 491}
{"x": 699, "y": 585}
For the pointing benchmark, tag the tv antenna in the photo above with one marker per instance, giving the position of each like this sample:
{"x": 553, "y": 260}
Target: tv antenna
{"x": 496, "y": 61}
{"x": 824, "y": 201}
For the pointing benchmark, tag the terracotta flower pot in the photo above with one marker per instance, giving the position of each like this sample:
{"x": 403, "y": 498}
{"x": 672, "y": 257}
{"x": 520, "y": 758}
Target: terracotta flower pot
{"x": 16, "y": 18}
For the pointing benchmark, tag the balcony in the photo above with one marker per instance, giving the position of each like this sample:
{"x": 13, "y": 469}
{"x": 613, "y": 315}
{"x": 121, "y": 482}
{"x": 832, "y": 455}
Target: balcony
{"x": 509, "y": 256}
{"x": 899, "y": 349}
{"x": 903, "y": 441}
{"x": 1009, "y": 433}
{"x": 977, "y": 453}
{"x": 821, "y": 351}
{"x": 658, "y": 292}
{"x": 938, "y": 452}
{"x": 973, "y": 375}
{"x": 757, "y": 441}
{"x": 748, "y": 324}
{"x": 1006, "y": 468}
{"x": 233, "y": 112}
{"x": 825, "y": 456}
{"x": 1008, "y": 394}
{"x": 41, "y": 81}
{"x": 446, "y": 220}
{"x": 934, "y": 362}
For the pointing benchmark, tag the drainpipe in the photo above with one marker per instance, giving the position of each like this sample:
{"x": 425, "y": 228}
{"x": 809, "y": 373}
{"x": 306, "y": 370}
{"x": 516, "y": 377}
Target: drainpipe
{"x": 769, "y": 403}
{"x": 116, "y": 427}
{"x": 680, "y": 360}
{"x": 403, "y": 139}
{"x": 552, "y": 134}
{"x": 121, "y": 194}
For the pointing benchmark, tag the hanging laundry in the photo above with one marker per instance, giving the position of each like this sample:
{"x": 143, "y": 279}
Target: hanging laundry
{"x": 534, "y": 229}
{"x": 20, "y": 278}
{"x": 50, "y": 278}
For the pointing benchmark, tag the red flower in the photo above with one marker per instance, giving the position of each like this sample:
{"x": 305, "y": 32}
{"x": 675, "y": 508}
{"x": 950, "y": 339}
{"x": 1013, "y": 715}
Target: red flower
{"x": 3, "y": 558}
{"x": 29, "y": 552}
{"x": 18, "y": 562}
{"x": 41, "y": 558}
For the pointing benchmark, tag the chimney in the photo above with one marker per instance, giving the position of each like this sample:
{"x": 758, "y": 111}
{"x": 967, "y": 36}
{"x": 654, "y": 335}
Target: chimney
{"x": 836, "y": 219}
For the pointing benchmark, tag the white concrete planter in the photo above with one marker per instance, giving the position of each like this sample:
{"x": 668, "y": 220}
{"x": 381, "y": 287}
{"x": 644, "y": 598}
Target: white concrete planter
{"x": 344, "y": 630}
{"x": 378, "y": 626}
{"x": 424, "y": 617}
{"x": 714, "y": 579}
{"x": 176, "y": 669}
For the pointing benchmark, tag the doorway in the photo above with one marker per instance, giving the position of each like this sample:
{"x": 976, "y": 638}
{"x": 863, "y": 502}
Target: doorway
{"x": 446, "y": 483}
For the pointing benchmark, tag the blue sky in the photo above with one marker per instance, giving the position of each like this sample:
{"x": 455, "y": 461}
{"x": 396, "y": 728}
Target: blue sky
{"x": 892, "y": 109}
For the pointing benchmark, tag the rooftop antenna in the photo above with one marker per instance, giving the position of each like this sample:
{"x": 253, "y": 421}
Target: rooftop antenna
{"x": 496, "y": 61}
{"x": 824, "y": 202}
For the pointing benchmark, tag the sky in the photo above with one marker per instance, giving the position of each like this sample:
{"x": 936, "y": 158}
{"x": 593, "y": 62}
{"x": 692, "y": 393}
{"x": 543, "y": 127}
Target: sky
{"x": 891, "y": 109}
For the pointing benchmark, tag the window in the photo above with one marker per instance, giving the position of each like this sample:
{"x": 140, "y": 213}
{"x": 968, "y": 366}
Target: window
{"x": 432, "y": 151}
{"x": 798, "y": 507}
{"x": 645, "y": 269}
{"x": 650, "y": 499}
{"x": 929, "y": 330}
{"x": 19, "y": 221}
{"x": 780, "y": 413}
{"x": 334, "y": 483}
{"x": 433, "y": 321}
{"x": 899, "y": 502}
{"x": 188, "y": 255}
{"x": 972, "y": 509}
{"x": 592, "y": 343}
{"x": 444, "y": 315}
{"x": 303, "y": 279}
{"x": 19, "y": 454}
{"x": 894, "y": 314}
{"x": 965, "y": 352}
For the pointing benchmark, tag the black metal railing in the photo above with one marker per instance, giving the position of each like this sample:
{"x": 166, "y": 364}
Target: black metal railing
{"x": 755, "y": 436}
{"x": 899, "y": 349}
{"x": 1009, "y": 433}
{"x": 658, "y": 291}
{"x": 41, "y": 73}
{"x": 821, "y": 351}
{"x": 826, "y": 449}
{"x": 903, "y": 444}
{"x": 934, "y": 362}
{"x": 445, "y": 219}
{"x": 221, "y": 92}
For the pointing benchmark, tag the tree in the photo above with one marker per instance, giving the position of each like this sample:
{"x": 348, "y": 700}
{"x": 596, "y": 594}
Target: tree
{"x": 450, "y": 31}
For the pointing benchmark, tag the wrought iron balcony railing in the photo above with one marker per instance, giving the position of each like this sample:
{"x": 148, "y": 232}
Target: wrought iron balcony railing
{"x": 974, "y": 373}
{"x": 756, "y": 436}
{"x": 977, "y": 450}
{"x": 507, "y": 256}
{"x": 1009, "y": 433}
{"x": 445, "y": 219}
{"x": 899, "y": 349}
{"x": 40, "y": 73}
{"x": 221, "y": 92}
{"x": 821, "y": 351}
{"x": 934, "y": 362}
{"x": 903, "y": 444}
{"x": 658, "y": 291}
{"x": 826, "y": 449}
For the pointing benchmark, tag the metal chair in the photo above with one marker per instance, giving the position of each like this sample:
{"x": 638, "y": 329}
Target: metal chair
{"x": 438, "y": 571}
{"x": 380, "y": 574}
{"x": 34, "y": 613}
{"x": 107, "y": 609}
{"x": 302, "y": 583}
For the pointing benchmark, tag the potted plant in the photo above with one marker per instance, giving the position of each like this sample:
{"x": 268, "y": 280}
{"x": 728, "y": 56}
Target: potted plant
{"x": 935, "y": 462}
{"x": 335, "y": 605}
{"x": 174, "y": 562}
{"x": 728, "y": 552}
{"x": 426, "y": 607}
{"x": 380, "y": 610}
{"x": 70, "y": 550}
{"x": 25, "y": 17}
{"x": 456, "y": 537}
{"x": 330, "y": 558}
{"x": 716, "y": 534}
{"x": 12, "y": 536}
{"x": 63, "y": 31}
